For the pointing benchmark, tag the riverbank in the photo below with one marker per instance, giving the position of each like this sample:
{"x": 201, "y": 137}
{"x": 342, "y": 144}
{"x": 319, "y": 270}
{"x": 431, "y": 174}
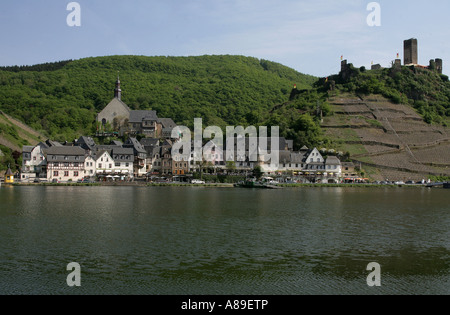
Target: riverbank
{"x": 215, "y": 185}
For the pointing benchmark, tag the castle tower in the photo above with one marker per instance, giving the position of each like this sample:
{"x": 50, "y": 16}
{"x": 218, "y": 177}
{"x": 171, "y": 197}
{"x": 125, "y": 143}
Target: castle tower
{"x": 439, "y": 65}
{"x": 411, "y": 51}
{"x": 118, "y": 91}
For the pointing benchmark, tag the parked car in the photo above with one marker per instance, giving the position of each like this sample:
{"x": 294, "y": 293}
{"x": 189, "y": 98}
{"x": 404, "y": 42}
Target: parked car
{"x": 198, "y": 181}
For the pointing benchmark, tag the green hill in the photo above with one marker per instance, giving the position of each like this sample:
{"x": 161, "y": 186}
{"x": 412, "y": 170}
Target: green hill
{"x": 62, "y": 99}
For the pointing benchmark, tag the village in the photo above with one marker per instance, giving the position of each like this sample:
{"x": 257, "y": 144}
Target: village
{"x": 147, "y": 155}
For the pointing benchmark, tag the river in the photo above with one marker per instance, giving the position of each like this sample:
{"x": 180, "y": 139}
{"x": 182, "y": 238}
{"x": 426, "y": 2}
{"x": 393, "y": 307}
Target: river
{"x": 224, "y": 241}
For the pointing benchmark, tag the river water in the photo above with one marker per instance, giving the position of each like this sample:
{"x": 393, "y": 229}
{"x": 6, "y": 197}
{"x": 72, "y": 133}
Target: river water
{"x": 224, "y": 241}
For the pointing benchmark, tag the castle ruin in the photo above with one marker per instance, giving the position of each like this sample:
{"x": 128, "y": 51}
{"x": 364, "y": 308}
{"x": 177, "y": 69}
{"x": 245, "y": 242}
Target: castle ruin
{"x": 410, "y": 59}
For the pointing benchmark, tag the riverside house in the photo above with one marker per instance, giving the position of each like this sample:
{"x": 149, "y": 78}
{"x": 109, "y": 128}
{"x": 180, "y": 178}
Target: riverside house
{"x": 34, "y": 163}
{"x": 65, "y": 164}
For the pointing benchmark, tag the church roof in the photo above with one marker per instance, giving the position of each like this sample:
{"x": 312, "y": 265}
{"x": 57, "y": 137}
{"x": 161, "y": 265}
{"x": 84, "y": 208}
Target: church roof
{"x": 138, "y": 116}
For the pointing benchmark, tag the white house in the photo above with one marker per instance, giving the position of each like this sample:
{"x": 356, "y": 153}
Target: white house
{"x": 123, "y": 161}
{"x": 104, "y": 163}
{"x": 34, "y": 163}
{"x": 90, "y": 166}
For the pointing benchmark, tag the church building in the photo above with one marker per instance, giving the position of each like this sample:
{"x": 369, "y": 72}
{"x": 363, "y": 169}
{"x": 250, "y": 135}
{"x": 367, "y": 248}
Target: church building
{"x": 116, "y": 113}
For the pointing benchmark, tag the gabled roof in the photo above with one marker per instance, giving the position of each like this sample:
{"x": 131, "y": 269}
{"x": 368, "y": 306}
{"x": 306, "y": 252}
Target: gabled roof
{"x": 333, "y": 160}
{"x": 101, "y": 153}
{"x": 51, "y": 143}
{"x": 116, "y": 101}
{"x": 149, "y": 142}
{"x": 132, "y": 142}
{"x": 86, "y": 143}
{"x": 138, "y": 116}
{"x": 167, "y": 123}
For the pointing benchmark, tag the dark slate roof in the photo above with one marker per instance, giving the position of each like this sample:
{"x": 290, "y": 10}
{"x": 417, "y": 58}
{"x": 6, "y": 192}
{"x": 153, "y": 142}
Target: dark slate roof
{"x": 123, "y": 155}
{"x": 117, "y": 143}
{"x": 59, "y": 154}
{"x": 27, "y": 149}
{"x": 65, "y": 150}
{"x": 86, "y": 143}
{"x": 149, "y": 142}
{"x": 138, "y": 116}
{"x": 51, "y": 143}
{"x": 132, "y": 142}
{"x": 9, "y": 172}
{"x": 121, "y": 150}
{"x": 167, "y": 123}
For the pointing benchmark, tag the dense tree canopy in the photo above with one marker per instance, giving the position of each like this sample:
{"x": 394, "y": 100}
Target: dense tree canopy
{"x": 62, "y": 99}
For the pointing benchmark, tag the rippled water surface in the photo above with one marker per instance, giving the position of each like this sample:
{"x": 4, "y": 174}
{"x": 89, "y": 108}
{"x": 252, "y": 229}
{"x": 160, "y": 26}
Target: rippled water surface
{"x": 161, "y": 240}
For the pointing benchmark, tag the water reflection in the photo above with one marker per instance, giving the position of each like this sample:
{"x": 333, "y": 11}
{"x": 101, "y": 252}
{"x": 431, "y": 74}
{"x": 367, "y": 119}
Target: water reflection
{"x": 163, "y": 240}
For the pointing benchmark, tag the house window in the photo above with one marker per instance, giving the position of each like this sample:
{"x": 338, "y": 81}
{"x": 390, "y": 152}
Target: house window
{"x": 34, "y": 158}
{"x": 75, "y": 174}
{"x": 66, "y": 164}
{"x": 66, "y": 174}
{"x": 75, "y": 164}
{"x": 117, "y": 164}
{"x": 127, "y": 165}
{"x": 56, "y": 164}
{"x": 110, "y": 165}
{"x": 100, "y": 165}
{"x": 56, "y": 173}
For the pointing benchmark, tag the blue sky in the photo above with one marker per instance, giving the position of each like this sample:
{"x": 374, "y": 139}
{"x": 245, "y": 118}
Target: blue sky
{"x": 309, "y": 36}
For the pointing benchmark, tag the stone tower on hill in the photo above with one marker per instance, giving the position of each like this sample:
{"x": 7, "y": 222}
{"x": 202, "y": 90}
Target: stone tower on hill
{"x": 411, "y": 51}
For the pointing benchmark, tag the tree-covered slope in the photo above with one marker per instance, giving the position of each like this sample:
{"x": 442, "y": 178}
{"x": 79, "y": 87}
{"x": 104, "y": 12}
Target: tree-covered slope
{"x": 62, "y": 99}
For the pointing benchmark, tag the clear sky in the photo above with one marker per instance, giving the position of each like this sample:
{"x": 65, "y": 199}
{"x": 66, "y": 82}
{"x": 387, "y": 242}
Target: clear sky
{"x": 309, "y": 36}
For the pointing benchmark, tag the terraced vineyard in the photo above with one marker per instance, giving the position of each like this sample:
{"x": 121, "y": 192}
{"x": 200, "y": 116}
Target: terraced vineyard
{"x": 391, "y": 139}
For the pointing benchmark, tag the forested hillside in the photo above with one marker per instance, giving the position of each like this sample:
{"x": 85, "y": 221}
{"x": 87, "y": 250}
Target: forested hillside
{"x": 62, "y": 99}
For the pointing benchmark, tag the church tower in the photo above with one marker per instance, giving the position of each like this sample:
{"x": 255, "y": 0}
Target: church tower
{"x": 118, "y": 91}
